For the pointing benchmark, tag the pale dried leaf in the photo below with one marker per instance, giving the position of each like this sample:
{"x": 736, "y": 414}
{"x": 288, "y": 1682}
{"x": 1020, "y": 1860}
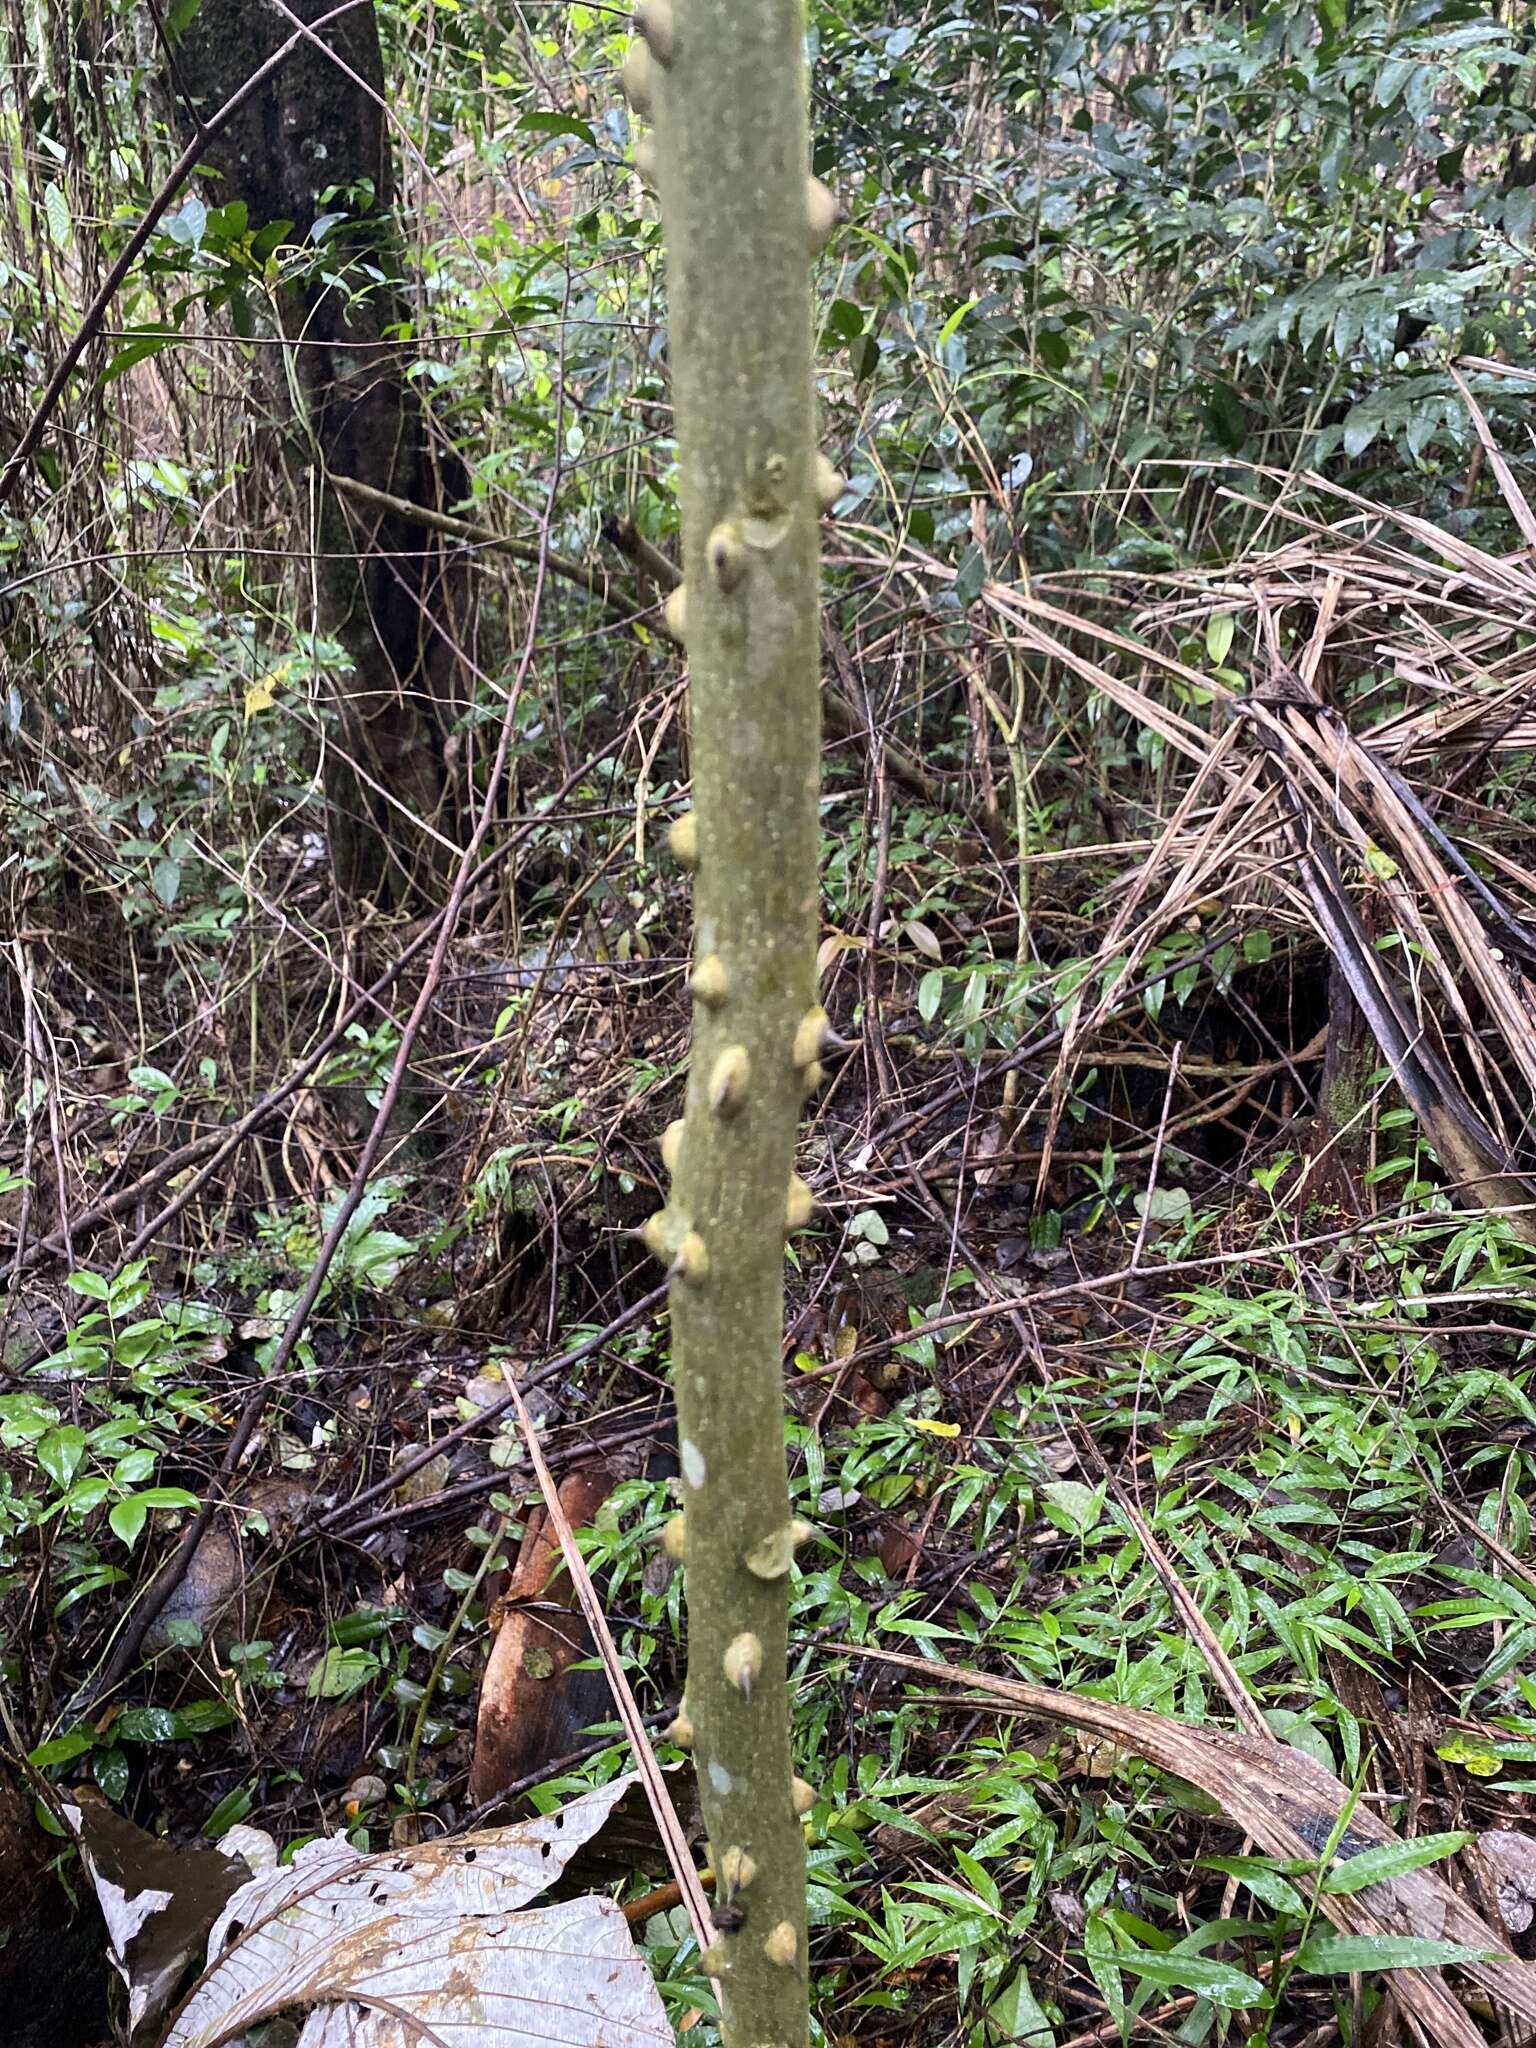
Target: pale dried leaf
{"x": 429, "y": 1944}
{"x": 1511, "y": 1858}
{"x": 157, "y": 1900}
{"x": 567, "y": 1975}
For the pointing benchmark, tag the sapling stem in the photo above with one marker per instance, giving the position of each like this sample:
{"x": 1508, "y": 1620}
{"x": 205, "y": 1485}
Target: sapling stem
{"x": 723, "y": 82}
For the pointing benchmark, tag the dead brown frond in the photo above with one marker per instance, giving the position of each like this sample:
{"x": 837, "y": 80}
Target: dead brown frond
{"x": 1294, "y": 1808}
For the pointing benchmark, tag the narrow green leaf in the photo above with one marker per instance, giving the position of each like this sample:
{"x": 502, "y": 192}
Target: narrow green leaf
{"x": 557, "y": 124}
{"x": 954, "y": 320}
{"x": 1341, "y": 1955}
{"x": 63, "y": 1749}
{"x": 1222, "y": 1983}
{"x": 1391, "y": 1859}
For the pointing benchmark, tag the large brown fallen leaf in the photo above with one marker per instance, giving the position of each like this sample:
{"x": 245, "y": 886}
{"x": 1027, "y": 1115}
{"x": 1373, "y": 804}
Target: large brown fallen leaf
{"x": 1290, "y": 1805}
{"x": 430, "y": 1945}
{"x": 533, "y": 1705}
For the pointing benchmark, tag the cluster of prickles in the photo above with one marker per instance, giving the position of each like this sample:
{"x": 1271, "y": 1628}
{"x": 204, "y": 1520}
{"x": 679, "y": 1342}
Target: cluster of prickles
{"x": 668, "y": 1235}
{"x": 742, "y": 1664}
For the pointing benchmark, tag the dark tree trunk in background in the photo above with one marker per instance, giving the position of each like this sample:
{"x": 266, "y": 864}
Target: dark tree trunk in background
{"x": 388, "y": 591}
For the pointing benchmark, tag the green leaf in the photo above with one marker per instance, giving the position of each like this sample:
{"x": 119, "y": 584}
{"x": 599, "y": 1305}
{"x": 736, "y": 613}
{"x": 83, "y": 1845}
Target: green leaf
{"x": 845, "y": 320}
{"x": 864, "y": 353}
{"x": 24, "y": 1418}
{"x": 1391, "y": 1859}
{"x": 1227, "y": 416}
{"x": 930, "y": 993}
{"x": 1221, "y": 1983}
{"x": 340, "y": 1673}
{"x": 231, "y": 1809}
{"x": 1072, "y": 1506}
{"x": 1360, "y": 430}
{"x": 63, "y": 1749}
{"x": 557, "y": 124}
{"x": 60, "y": 1451}
{"x": 172, "y": 1724}
{"x": 364, "y": 1625}
{"x": 970, "y": 576}
{"x": 166, "y": 1497}
{"x": 1258, "y": 946}
{"x": 186, "y": 228}
{"x": 1341, "y": 1955}
{"x": 105, "y": 1575}
{"x": 126, "y": 1520}
{"x": 1219, "y": 634}
{"x": 56, "y": 206}
{"x": 1018, "y": 2015}
{"x": 135, "y": 352}
{"x": 145, "y": 1724}
{"x": 203, "y": 1717}
{"x": 1262, "y": 1879}
{"x": 165, "y": 880}
{"x": 955, "y": 318}
{"x": 109, "y": 1767}
{"x": 1391, "y": 77}
{"x": 91, "y": 1285}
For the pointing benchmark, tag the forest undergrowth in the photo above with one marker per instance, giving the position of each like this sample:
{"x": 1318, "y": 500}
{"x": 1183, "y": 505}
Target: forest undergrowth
{"x": 1162, "y": 1334}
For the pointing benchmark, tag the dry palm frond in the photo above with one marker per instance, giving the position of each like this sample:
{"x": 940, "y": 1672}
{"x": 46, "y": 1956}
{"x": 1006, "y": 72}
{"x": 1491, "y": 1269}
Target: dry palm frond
{"x": 1293, "y": 1807}
{"x": 1415, "y": 655}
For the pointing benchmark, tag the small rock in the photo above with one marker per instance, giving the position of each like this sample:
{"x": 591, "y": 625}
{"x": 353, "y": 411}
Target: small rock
{"x": 430, "y": 1479}
{"x": 362, "y": 1795}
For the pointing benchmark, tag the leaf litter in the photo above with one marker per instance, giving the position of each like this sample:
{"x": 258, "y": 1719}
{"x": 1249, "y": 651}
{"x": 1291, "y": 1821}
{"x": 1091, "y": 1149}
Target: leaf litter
{"x": 440, "y": 1943}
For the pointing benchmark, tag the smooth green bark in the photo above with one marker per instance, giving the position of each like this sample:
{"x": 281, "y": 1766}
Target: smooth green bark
{"x": 724, "y": 82}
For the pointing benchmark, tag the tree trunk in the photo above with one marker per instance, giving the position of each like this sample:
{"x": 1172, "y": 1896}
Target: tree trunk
{"x": 725, "y": 81}
{"x": 313, "y": 144}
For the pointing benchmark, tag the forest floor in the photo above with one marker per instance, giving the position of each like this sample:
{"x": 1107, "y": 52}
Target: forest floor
{"x": 1132, "y": 1399}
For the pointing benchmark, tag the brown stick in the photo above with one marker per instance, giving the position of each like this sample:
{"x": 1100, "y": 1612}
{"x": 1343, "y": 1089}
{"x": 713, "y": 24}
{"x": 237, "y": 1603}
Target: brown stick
{"x": 592, "y": 581}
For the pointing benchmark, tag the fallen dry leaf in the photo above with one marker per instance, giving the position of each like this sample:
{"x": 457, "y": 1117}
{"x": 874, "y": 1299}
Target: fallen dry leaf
{"x": 532, "y": 1704}
{"x": 1511, "y": 1860}
{"x": 158, "y": 1901}
{"x": 430, "y": 1944}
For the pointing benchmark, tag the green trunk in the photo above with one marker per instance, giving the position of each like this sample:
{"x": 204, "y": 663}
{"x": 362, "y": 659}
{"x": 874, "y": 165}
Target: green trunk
{"x": 724, "y": 82}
